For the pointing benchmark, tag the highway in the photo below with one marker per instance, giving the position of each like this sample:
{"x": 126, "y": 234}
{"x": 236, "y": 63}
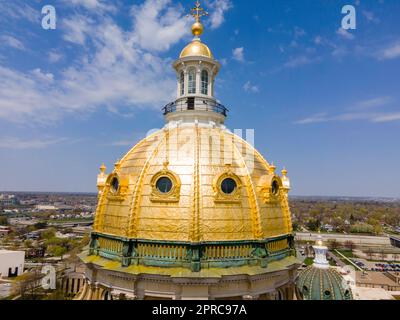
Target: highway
{"x": 356, "y": 239}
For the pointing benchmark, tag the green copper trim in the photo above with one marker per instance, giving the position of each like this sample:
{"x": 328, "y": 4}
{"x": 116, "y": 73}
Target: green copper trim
{"x": 222, "y": 254}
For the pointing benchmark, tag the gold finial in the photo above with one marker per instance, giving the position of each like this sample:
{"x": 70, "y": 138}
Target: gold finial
{"x": 103, "y": 168}
{"x": 272, "y": 168}
{"x": 284, "y": 172}
{"x": 197, "y": 12}
{"x": 118, "y": 165}
{"x": 166, "y": 164}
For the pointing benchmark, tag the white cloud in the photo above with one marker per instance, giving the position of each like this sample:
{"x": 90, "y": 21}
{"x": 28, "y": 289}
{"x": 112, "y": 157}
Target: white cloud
{"x": 11, "y": 42}
{"x": 345, "y": 34}
{"x": 95, "y": 5}
{"x": 119, "y": 70}
{"x": 77, "y": 28}
{"x": 249, "y": 87}
{"x": 391, "y": 52}
{"x": 370, "y": 16}
{"x": 387, "y": 117}
{"x": 299, "y": 32}
{"x": 21, "y": 144}
{"x": 218, "y": 9}
{"x": 47, "y": 77}
{"x": 373, "y": 103}
{"x": 359, "y": 111}
{"x": 54, "y": 56}
{"x": 158, "y": 25}
{"x": 18, "y": 10}
{"x": 238, "y": 54}
{"x": 297, "y": 62}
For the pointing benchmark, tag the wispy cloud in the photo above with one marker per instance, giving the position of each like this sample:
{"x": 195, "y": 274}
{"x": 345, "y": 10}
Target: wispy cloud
{"x": 238, "y": 54}
{"x": 12, "y": 42}
{"x": 370, "y": 16}
{"x": 22, "y": 144}
{"x": 115, "y": 66}
{"x": 390, "y": 52}
{"x": 295, "y": 62}
{"x": 94, "y": 5}
{"x": 359, "y": 111}
{"x": 345, "y": 34}
{"x": 373, "y": 103}
{"x": 249, "y": 87}
{"x": 218, "y": 10}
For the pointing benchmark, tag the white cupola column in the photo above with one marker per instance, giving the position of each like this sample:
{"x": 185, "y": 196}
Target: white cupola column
{"x": 320, "y": 251}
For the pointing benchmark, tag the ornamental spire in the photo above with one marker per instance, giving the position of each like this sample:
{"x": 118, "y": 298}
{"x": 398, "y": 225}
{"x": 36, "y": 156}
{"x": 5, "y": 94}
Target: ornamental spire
{"x": 197, "y": 12}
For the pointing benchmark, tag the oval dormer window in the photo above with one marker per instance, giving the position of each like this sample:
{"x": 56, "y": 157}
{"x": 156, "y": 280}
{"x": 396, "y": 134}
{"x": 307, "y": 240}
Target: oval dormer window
{"x": 164, "y": 185}
{"x": 114, "y": 185}
{"x": 228, "y": 186}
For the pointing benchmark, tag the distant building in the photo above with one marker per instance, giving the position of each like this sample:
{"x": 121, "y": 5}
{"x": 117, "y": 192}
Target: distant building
{"x": 11, "y": 263}
{"x": 4, "y": 231}
{"x": 395, "y": 241}
{"x": 45, "y": 207}
{"x": 8, "y": 200}
{"x": 328, "y": 227}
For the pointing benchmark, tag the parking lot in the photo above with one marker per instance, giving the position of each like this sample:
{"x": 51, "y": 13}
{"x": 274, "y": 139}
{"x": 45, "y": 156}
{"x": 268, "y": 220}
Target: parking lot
{"x": 376, "y": 266}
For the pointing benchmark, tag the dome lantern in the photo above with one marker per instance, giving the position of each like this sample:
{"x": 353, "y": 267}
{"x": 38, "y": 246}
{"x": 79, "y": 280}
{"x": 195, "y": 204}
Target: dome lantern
{"x": 196, "y": 71}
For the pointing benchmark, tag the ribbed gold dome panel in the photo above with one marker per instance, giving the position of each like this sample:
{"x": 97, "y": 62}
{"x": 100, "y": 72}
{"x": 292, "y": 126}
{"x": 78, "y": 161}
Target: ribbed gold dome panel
{"x": 197, "y": 157}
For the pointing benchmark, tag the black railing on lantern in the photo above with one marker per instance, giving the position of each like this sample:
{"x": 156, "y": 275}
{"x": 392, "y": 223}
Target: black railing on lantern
{"x": 195, "y": 104}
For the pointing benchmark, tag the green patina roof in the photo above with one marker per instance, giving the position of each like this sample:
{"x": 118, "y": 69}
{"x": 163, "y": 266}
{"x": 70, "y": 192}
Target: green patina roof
{"x": 187, "y": 273}
{"x": 322, "y": 284}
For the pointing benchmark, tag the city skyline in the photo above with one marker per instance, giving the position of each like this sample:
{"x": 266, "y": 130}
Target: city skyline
{"x": 323, "y": 101}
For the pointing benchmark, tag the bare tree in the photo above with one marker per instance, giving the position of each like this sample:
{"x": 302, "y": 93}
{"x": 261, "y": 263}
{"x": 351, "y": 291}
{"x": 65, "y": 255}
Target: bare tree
{"x": 370, "y": 253}
{"x": 350, "y": 245}
{"x": 333, "y": 244}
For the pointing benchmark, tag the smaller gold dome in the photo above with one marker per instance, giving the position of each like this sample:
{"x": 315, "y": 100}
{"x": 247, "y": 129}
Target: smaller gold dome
{"x": 196, "y": 48}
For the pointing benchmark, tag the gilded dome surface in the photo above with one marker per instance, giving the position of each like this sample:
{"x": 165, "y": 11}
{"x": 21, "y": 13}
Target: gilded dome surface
{"x": 194, "y": 209}
{"x": 322, "y": 284}
{"x": 196, "y": 48}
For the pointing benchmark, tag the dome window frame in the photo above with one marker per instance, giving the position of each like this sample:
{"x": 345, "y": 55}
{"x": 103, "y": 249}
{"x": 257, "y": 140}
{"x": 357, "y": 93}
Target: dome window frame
{"x": 117, "y": 193}
{"x": 227, "y": 198}
{"x": 272, "y": 192}
{"x": 173, "y": 195}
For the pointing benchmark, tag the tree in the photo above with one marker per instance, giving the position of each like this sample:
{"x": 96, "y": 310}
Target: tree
{"x": 27, "y": 283}
{"x": 313, "y": 225}
{"x": 57, "y": 251}
{"x": 370, "y": 253}
{"x": 350, "y": 245}
{"x": 28, "y": 243}
{"x": 48, "y": 234}
{"x": 333, "y": 244}
{"x": 40, "y": 225}
{"x": 3, "y": 221}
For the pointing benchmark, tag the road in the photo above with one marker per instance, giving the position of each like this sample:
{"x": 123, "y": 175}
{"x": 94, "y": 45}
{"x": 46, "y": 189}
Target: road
{"x": 356, "y": 239}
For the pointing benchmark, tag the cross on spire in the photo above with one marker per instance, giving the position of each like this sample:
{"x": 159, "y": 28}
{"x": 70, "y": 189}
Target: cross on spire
{"x": 197, "y": 12}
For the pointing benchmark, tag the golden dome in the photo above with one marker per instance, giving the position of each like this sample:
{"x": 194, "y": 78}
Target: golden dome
{"x": 194, "y": 206}
{"x": 196, "y": 48}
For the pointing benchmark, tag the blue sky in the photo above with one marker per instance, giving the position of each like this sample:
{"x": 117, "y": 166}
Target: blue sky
{"x": 324, "y": 102}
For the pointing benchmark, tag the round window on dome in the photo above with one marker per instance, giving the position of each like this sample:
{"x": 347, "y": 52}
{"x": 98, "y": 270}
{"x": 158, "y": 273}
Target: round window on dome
{"x": 228, "y": 186}
{"x": 114, "y": 185}
{"x": 275, "y": 187}
{"x": 164, "y": 185}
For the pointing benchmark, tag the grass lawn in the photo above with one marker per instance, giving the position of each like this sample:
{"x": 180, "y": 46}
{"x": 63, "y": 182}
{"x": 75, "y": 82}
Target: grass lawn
{"x": 347, "y": 253}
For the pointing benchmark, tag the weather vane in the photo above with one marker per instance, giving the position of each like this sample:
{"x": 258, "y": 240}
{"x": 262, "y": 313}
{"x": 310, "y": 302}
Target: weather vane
{"x": 197, "y": 12}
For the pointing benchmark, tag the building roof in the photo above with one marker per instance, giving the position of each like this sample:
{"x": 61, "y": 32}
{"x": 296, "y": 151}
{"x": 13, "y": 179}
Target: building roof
{"x": 322, "y": 284}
